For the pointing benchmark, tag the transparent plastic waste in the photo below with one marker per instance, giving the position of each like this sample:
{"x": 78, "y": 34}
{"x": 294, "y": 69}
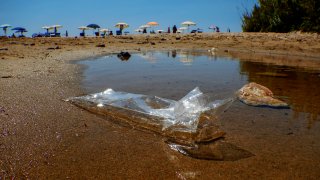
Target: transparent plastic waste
{"x": 189, "y": 120}
{"x": 190, "y": 125}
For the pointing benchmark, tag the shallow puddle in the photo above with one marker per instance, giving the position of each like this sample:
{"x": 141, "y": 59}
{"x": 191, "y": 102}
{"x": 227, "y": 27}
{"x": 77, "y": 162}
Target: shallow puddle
{"x": 172, "y": 74}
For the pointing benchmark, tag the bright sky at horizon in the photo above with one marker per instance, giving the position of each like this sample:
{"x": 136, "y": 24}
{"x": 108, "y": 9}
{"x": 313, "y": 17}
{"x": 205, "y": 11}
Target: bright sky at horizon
{"x": 34, "y": 14}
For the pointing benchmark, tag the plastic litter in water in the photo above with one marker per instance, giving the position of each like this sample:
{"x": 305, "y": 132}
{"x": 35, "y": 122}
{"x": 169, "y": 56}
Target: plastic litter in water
{"x": 182, "y": 115}
{"x": 189, "y": 124}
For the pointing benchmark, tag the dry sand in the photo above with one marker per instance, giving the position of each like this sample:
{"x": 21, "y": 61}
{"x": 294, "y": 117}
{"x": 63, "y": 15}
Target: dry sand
{"x": 42, "y": 136}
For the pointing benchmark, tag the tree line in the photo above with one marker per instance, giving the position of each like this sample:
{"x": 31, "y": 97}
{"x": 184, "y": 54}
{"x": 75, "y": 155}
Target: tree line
{"x": 283, "y": 16}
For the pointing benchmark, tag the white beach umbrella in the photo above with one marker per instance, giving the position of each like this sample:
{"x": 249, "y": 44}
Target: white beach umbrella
{"x": 5, "y": 27}
{"x": 144, "y": 26}
{"x": 83, "y": 28}
{"x": 138, "y": 30}
{"x": 104, "y": 30}
{"x": 188, "y": 24}
{"x": 122, "y": 25}
{"x": 56, "y": 27}
{"x": 47, "y": 28}
{"x": 182, "y": 29}
{"x": 213, "y": 27}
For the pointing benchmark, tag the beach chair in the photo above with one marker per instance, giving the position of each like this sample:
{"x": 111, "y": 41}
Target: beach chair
{"x": 97, "y": 33}
{"x": 118, "y": 33}
{"x": 193, "y": 31}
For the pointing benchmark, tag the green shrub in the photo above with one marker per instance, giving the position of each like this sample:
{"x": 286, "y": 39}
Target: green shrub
{"x": 283, "y": 16}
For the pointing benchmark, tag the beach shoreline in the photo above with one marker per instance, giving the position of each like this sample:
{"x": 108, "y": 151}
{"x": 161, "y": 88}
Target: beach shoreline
{"x": 43, "y": 136}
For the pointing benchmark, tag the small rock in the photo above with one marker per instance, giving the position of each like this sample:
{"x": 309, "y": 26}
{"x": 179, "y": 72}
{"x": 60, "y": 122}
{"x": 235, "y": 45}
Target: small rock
{"x": 9, "y": 76}
{"x": 4, "y": 49}
{"x": 101, "y": 45}
{"x": 178, "y": 38}
{"x": 124, "y": 56}
{"x": 153, "y": 43}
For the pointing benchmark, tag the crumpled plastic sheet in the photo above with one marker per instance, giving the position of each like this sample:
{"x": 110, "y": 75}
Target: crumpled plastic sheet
{"x": 183, "y": 113}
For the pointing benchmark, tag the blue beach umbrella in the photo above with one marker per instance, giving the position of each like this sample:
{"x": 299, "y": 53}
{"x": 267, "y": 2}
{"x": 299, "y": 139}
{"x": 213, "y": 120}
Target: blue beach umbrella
{"x": 5, "y": 27}
{"x": 21, "y": 31}
{"x": 93, "y": 26}
{"x": 18, "y": 29}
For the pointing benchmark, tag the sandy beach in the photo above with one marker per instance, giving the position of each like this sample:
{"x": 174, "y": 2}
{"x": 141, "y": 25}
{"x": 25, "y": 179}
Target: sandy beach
{"x": 41, "y": 136}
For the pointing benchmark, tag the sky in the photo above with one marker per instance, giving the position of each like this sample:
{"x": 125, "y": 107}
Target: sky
{"x": 34, "y": 14}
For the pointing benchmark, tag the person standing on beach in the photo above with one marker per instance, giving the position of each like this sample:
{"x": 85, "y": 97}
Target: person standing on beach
{"x": 121, "y": 28}
{"x": 174, "y": 29}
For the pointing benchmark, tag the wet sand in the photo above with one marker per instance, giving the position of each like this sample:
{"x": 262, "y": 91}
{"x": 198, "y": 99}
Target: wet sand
{"x": 42, "y": 136}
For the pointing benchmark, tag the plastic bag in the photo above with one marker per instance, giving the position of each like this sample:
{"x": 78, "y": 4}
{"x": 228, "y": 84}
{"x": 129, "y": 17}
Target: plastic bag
{"x": 178, "y": 120}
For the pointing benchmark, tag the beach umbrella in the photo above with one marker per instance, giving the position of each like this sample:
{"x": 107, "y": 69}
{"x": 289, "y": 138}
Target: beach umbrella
{"x": 188, "y": 24}
{"x": 47, "y": 28}
{"x": 83, "y": 28}
{"x": 182, "y": 29}
{"x": 93, "y": 26}
{"x": 104, "y": 31}
{"x": 122, "y": 25}
{"x": 56, "y": 27}
{"x": 18, "y": 29}
{"x": 5, "y": 27}
{"x": 213, "y": 27}
{"x": 138, "y": 30}
{"x": 160, "y": 31}
{"x": 153, "y": 23}
{"x": 21, "y": 31}
{"x": 144, "y": 26}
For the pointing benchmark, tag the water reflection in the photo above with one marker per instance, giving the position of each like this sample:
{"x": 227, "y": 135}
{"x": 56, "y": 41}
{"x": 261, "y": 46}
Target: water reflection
{"x": 298, "y": 86}
{"x": 185, "y": 57}
{"x": 148, "y": 56}
{"x": 170, "y": 74}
